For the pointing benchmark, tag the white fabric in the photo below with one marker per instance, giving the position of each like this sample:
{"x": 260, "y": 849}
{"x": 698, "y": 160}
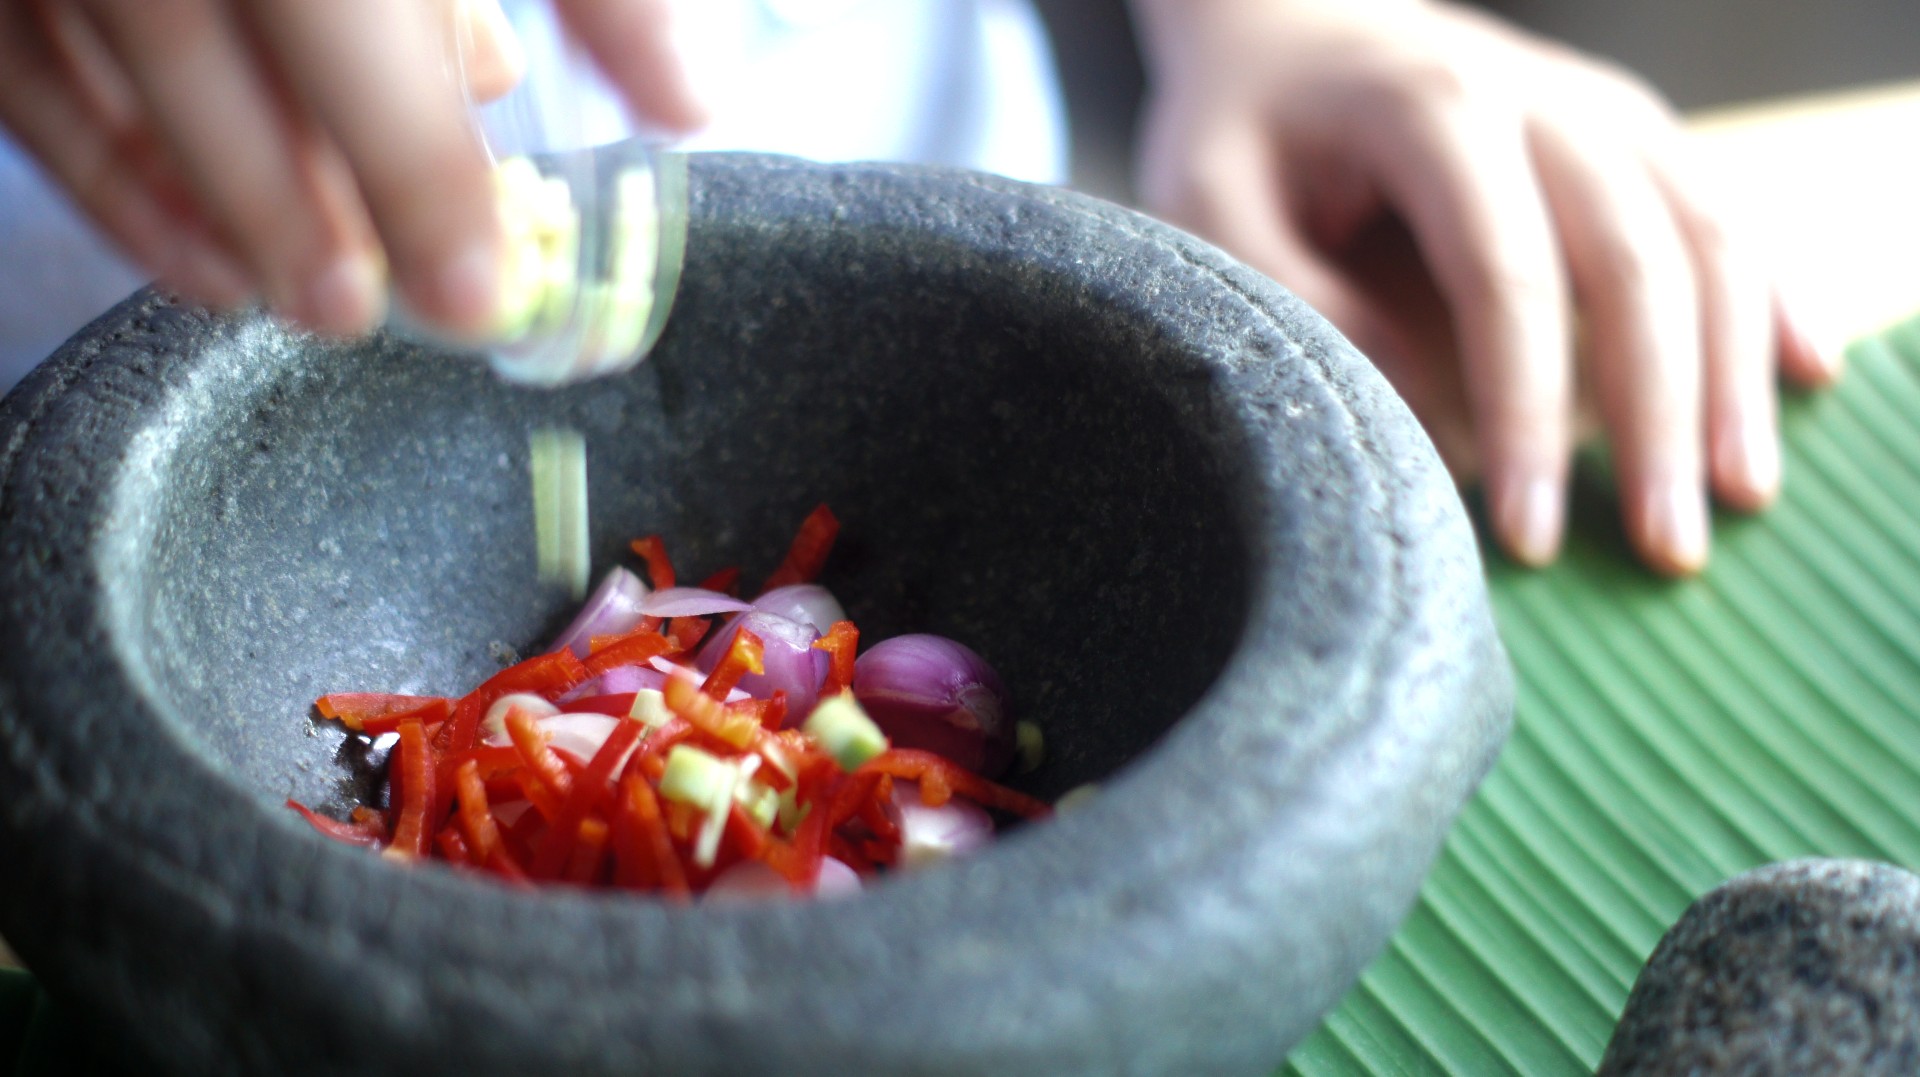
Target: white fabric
{"x": 56, "y": 274}
{"x": 968, "y": 83}
{"x": 959, "y": 82}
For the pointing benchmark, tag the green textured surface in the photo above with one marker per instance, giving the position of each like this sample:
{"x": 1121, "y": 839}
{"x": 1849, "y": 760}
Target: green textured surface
{"x": 1669, "y": 736}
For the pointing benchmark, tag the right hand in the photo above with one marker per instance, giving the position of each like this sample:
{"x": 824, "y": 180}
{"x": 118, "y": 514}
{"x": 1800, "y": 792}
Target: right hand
{"x": 1450, "y": 192}
{"x": 295, "y": 149}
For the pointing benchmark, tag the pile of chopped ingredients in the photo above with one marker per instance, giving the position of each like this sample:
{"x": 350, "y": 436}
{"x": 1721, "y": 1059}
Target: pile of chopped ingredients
{"x": 654, "y": 749}
{"x": 544, "y": 288}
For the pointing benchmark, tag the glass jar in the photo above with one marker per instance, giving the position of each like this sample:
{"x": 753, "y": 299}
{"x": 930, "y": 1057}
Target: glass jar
{"x": 595, "y": 214}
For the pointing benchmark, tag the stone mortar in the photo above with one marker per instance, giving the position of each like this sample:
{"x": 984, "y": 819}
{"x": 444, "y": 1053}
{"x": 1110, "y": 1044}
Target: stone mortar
{"x": 1209, "y": 549}
{"x": 1803, "y": 967}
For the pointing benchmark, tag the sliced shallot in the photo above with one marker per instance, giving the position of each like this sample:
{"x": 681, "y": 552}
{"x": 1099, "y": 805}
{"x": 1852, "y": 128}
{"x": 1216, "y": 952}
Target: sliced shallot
{"x": 931, "y": 835}
{"x": 493, "y": 727}
{"x": 613, "y": 608}
{"x": 581, "y": 734}
{"x": 618, "y": 681}
{"x": 929, "y": 692}
{"x": 751, "y": 880}
{"x": 789, "y": 659}
{"x": 807, "y": 603}
{"x": 690, "y": 602}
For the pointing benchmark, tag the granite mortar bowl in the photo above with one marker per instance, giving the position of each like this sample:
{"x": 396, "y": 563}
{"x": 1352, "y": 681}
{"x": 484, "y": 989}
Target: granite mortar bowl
{"x": 1207, "y": 547}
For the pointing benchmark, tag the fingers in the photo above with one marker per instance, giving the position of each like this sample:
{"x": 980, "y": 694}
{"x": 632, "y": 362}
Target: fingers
{"x": 194, "y": 71}
{"x": 1804, "y": 360}
{"x": 1224, "y": 181}
{"x": 1516, "y": 167}
{"x": 1632, "y": 275}
{"x": 1738, "y": 344}
{"x": 490, "y": 52}
{"x": 104, "y": 163}
{"x": 1407, "y": 331}
{"x": 630, "y": 39}
{"x": 321, "y": 143}
{"x": 1462, "y": 177}
{"x": 402, "y": 127}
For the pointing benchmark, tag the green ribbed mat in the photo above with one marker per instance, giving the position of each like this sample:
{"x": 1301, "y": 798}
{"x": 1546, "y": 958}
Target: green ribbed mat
{"x": 1669, "y": 736}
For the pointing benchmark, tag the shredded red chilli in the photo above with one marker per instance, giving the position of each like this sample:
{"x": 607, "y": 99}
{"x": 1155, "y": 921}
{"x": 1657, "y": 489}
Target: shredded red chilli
{"x": 706, "y": 754}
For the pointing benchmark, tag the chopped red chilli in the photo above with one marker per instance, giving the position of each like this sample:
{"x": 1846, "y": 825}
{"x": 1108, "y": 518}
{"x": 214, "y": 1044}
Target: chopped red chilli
{"x": 648, "y": 764}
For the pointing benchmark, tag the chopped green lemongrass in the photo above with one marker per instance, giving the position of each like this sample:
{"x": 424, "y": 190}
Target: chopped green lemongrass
{"x": 518, "y": 187}
{"x": 669, "y": 237}
{"x": 789, "y": 811}
{"x": 614, "y": 312}
{"x": 706, "y": 845}
{"x": 697, "y": 778}
{"x": 523, "y": 288}
{"x": 761, "y": 801}
{"x": 748, "y": 765}
{"x": 516, "y": 183}
{"x": 649, "y": 708}
{"x": 623, "y": 319}
{"x": 547, "y": 207}
{"x": 777, "y": 758}
{"x": 1029, "y": 745}
{"x": 593, "y": 319}
{"x": 560, "y": 276}
{"x": 636, "y": 223}
{"x": 1076, "y": 798}
{"x": 543, "y": 290}
{"x": 552, "y": 207}
{"x": 610, "y": 325}
{"x": 559, "y": 463}
{"x": 515, "y": 176}
{"x": 634, "y": 194}
{"x": 845, "y": 731}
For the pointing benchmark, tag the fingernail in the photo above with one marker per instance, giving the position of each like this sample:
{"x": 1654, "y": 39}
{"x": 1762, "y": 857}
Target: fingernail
{"x": 1532, "y": 515}
{"x": 467, "y": 291}
{"x": 284, "y": 300}
{"x": 1748, "y": 451}
{"x": 492, "y": 60}
{"x": 346, "y": 297}
{"x": 1676, "y": 528}
{"x": 491, "y": 19}
{"x": 1828, "y": 351}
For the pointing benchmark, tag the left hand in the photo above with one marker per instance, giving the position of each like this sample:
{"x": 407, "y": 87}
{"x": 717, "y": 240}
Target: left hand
{"x": 1449, "y": 192}
{"x": 300, "y": 149}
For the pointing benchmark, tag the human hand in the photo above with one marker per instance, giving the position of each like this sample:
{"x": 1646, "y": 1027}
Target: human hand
{"x": 296, "y": 148}
{"x": 1444, "y": 188}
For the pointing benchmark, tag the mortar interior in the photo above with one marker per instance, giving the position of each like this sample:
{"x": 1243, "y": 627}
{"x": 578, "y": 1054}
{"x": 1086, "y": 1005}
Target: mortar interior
{"x": 316, "y": 517}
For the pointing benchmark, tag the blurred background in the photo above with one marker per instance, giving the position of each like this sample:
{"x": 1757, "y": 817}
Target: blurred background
{"x": 1700, "y": 53}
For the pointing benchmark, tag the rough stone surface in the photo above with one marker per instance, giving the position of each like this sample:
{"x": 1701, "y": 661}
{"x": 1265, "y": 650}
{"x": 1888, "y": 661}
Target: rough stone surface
{"x": 1804, "y": 967}
{"x": 1208, "y": 548}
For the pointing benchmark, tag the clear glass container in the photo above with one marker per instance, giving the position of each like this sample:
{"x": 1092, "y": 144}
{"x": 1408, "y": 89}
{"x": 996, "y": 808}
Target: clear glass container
{"x": 595, "y": 213}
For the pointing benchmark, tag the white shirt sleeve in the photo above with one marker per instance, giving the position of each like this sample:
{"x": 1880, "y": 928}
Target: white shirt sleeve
{"x": 968, "y": 83}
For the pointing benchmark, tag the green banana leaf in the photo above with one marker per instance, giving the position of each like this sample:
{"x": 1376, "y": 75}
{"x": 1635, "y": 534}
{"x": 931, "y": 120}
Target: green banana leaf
{"x": 1669, "y": 736}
